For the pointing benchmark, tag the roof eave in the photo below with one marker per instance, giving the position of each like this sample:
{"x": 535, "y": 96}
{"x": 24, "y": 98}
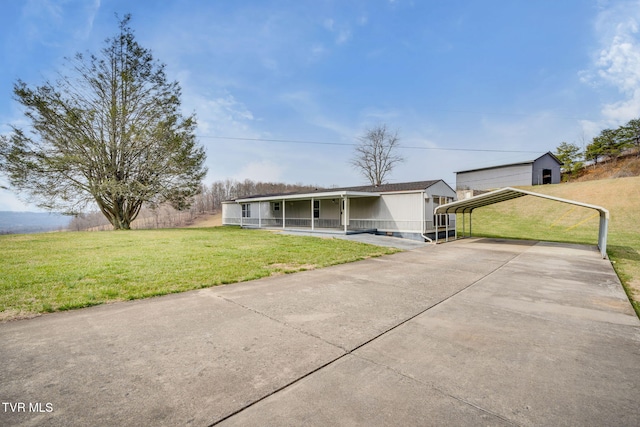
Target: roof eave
{"x": 305, "y": 196}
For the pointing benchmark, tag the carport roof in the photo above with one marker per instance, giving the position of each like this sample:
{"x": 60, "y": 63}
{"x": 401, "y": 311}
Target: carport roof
{"x": 504, "y": 194}
{"x": 508, "y": 193}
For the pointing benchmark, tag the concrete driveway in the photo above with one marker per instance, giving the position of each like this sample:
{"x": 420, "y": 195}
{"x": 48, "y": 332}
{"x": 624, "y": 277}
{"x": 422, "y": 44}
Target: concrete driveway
{"x": 473, "y": 332}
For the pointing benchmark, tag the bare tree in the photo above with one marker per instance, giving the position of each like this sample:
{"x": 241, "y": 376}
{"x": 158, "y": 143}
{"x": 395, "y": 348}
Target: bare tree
{"x": 377, "y": 154}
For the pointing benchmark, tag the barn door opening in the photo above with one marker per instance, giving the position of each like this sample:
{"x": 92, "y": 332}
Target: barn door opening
{"x": 546, "y": 176}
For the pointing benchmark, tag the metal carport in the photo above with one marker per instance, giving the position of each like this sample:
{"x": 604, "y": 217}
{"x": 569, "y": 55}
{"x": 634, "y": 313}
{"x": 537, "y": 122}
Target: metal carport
{"x": 468, "y": 205}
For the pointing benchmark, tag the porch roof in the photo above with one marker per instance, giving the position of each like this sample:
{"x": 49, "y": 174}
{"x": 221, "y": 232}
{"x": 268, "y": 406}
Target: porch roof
{"x": 328, "y": 194}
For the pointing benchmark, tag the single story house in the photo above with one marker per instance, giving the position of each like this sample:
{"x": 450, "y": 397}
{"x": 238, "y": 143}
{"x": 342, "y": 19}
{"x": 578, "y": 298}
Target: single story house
{"x": 544, "y": 169}
{"x": 401, "y": 210}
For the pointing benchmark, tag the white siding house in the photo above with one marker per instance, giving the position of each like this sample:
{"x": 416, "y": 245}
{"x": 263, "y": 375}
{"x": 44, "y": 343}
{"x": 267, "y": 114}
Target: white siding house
{"x": 544, "y": 169}
{"x": 403, "y": 210}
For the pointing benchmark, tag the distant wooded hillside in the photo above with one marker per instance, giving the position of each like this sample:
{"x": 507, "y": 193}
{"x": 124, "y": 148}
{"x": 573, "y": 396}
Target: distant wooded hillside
{"x": 208, "y": 202}
{"x": 31, "y": 222}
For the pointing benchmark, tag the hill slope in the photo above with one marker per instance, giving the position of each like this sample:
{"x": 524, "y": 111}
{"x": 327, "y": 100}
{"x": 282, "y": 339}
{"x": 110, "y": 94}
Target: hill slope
{"x": 623, "y": 167}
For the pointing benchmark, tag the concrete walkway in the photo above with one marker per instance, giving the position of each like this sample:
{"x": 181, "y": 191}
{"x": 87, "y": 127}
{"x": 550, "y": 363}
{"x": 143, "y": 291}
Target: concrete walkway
{"x": 371, "y": 239}
{"x": 474, "y": 332}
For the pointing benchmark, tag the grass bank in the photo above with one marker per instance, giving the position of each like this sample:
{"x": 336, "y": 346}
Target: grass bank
{"x": 539, "y": 219}
{"x": 61, "y": 271}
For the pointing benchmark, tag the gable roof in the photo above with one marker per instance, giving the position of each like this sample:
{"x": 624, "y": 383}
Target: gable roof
{"x": 528, "y": 161}
{"x": 359, "y": 191}
{"x": 385, "y": 188}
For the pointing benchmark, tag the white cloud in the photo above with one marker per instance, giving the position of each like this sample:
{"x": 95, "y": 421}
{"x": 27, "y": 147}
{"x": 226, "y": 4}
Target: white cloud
{"x": 341, "y": 33}
{"x": 264, "y": 170}
{"x": 329, "y": 24}
{"x": 45, "y": 20}
{"x": 617, "y": 60}
{"x": 220, "y": 115}
{"x": 317, "y": 52}
{"x": 10, "y": 202}
{"x": 309, "y": 109}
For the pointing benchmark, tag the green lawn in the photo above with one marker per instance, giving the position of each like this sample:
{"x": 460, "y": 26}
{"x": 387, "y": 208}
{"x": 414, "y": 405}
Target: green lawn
{"x": 540, "y": 219}
{"x": 61, "y": 271}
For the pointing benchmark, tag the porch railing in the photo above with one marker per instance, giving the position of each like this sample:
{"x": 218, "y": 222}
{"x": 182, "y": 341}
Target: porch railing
{"x": 354, "y": 224}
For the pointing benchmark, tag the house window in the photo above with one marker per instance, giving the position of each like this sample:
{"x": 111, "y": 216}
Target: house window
{"x": 441, "y": 220}
{"x": 246, "y": 210}
{"x": 316, "y": 208}
{"x": 441, "y": 200}
{"x": 275, "y": 206}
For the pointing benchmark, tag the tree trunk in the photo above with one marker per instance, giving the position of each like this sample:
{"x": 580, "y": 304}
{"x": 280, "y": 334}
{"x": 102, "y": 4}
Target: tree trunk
{"x": 120, "y": 213}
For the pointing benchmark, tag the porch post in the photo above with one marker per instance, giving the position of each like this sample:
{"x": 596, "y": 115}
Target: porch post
{"x": 241, "y": 214}
{"x": 346, "y": 213}
{"x": 424, "y": 212}
{"x": 283, "y": 213}
{"x": 312, "y": 225}
{"x": 259, "y": 214}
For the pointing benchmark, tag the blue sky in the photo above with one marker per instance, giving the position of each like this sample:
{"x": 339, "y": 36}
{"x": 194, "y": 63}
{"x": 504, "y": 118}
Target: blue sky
{"x": 514, "y": 76}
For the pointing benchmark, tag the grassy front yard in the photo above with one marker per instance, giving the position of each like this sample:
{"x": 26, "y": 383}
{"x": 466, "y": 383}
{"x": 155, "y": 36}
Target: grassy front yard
{"x": 61, "y": 271}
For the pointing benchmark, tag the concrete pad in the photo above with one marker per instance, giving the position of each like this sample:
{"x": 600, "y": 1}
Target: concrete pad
{"x": 349, "y": 304}
{"x": 183, "y": 359}
{"x": 353, "y": 391}
{"x": 479, "y": 331}
{"x": 532, "y": 342}
{"x": 571, "y": 282}
{"x": 368, "y": 238}
{"x": 530, "y": 371}
{"x": 340, "y": 310}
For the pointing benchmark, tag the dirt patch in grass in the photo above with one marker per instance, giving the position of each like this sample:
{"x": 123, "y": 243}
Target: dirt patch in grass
{"x": 207, "y": 220}
{"x": 282, "y": 268}
{"x": 7, "y": 315}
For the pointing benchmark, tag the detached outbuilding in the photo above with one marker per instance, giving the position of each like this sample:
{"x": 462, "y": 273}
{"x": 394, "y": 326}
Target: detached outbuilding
{"x": 400, "y": 209}
{"x": 544, "y": 169}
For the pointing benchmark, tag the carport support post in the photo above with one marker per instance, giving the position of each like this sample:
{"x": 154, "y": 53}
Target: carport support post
{"x": 283, "y": 213}
{"x": 446, "y": 228}
{"x": 435, "y": 224}
{"x": 259, "y": 214}
{"x": 602, "y": 238}
{"x": 312, "y": 225}
{"x": 455, "y": 226}
{"x": 463, "y": 225}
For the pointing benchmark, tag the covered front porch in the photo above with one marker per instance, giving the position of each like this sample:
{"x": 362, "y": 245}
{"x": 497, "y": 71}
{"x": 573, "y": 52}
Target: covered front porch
{"x": 329, "y": 212}
{"x": 407, "y": 214}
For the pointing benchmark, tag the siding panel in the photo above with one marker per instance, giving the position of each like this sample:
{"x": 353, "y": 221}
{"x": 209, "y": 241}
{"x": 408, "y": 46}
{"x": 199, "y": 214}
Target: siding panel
{"x": 488, "y": 179}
